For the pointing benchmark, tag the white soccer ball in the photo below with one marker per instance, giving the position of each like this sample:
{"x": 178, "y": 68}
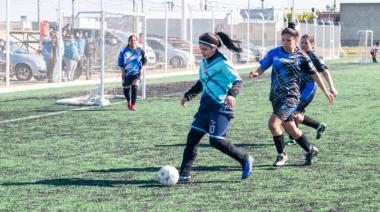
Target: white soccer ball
{"x": 168, "y": 176}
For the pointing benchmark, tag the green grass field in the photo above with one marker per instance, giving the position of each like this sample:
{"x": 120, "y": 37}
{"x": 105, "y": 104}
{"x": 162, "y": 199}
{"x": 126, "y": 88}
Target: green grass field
{"x": 106, "y": 159}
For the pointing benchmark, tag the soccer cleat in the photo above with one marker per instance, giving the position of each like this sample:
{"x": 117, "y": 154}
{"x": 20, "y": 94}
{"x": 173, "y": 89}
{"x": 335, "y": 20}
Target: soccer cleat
{"x": 247, "y": 168}
{"x": 310, "y": 155}
{"x": 129, "y": 104}
{"x": 321, "y": 128}
{"x": 184, "y": 179}
{"x": 133, "y": 107}
{"x": 281, "y": 160}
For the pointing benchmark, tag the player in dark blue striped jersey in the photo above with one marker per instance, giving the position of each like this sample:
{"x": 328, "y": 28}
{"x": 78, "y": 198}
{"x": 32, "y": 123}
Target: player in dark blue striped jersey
{"x": 219, "y": 83}
{"x": 287, "y": 63}
{"x": 131, "y": 61}
{"x": 308, "y": 87}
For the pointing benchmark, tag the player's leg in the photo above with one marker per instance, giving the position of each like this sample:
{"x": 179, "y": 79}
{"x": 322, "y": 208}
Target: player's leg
{"x": 199, "y": 128}
{"x": 219, "y": 124}
{"x": 127, "y": 90}
{"x": 302, "y": 140}
{"x": 134, "y": 88}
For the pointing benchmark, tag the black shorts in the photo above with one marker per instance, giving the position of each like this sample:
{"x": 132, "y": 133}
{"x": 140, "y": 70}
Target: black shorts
{"x": 284, "y": 111}
{"x": 127, "y": 81}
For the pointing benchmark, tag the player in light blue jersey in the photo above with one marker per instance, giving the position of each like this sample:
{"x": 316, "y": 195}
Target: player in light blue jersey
{"x": 131, "y": 61}
{"x": 288, "y": 62}
{"x": 219, "y": 84}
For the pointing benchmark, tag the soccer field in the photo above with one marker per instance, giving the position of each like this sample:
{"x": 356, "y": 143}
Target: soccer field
{"x": 105, "y": 159}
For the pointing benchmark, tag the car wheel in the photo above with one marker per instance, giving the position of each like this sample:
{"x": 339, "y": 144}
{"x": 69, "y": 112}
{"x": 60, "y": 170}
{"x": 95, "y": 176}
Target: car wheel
{"x": 177, "y": 62}
{"x": 23, "y": 72}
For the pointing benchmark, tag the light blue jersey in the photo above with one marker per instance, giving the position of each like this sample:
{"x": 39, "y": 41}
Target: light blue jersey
{"x": 217, "y": 78}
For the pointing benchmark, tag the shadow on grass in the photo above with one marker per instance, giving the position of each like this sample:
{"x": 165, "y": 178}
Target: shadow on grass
{"x": 82, "y": 182}
{"x": 192, "y": 183}
{"x": 155, "y": 169}
{"x": 208, "y": 145}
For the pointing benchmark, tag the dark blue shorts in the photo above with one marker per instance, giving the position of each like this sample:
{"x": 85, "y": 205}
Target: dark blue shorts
{"x": 213, "y": 123}
{"x": 284, "y": 111}
{"x": 307, "y": 95}
{"x": 127, "y": 81}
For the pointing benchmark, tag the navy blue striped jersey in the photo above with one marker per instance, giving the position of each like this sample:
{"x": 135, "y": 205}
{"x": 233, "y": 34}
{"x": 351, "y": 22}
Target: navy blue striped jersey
{"x": 286, "y": 73}
{"x": 131, "y": 60}
{"x": 318, "y": 63}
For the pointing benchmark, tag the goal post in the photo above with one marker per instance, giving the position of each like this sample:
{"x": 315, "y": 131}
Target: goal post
{"x": 365, "y": 44}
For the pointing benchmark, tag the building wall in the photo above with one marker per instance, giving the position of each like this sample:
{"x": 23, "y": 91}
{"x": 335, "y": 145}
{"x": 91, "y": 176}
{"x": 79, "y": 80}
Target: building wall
{"x": 359, "y": 16}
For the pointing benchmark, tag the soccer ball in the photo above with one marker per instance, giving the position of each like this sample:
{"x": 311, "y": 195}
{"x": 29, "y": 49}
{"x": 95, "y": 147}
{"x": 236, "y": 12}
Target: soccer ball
{"x": 168, "y": 176}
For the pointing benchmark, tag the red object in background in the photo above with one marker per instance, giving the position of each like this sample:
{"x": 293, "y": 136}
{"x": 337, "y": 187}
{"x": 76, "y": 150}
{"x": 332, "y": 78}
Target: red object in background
{"x": 44, "y": 28}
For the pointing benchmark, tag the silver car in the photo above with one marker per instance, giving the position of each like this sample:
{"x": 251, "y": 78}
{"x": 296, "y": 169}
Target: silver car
{"x": 177, "y": 58}
{"x": 24, "y": 66}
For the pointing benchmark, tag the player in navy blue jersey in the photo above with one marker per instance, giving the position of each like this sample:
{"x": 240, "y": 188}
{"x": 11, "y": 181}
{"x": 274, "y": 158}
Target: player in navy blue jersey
{"x": 308, "y": 87}
{"x": 287, "y": 64}
{"x": 219, "y": 83}
{"x": 131, "y": 61}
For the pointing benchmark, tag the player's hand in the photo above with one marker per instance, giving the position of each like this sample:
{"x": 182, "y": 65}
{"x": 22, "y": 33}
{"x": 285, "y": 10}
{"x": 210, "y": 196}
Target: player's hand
{"x": 253, "y": 74}
{"x": 230, "y": 101}
{"x": 334, "y": 92}
{"x": 330, "y": 97}
{"x": 184, "y": 102}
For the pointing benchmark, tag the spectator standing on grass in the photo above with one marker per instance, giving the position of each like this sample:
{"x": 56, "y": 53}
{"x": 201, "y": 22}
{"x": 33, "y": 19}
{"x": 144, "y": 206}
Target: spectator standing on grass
{"x": 131, "y": 61}
{"x": 71, "y": 57}
{"x": 374, "y": 50}
{"x": 219, "y": 83}
{"x": 287, "y": 63}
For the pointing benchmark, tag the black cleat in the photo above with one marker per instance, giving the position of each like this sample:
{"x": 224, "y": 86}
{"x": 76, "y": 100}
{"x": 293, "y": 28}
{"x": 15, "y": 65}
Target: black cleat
{"x": 184, "y": 179}
{"x": 310, "y": 155}
{"x": 321, "y": 128}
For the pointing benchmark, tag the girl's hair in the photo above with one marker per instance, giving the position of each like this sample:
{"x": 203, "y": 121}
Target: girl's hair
{"x": 130, "y": 38}
{"x": 216, "y": 40}
{"x": 307, "y": 36}
{"x": 290, "y": 30}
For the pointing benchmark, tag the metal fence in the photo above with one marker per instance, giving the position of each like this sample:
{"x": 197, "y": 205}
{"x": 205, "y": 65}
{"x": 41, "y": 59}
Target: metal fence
{"x": 170, "y": 41}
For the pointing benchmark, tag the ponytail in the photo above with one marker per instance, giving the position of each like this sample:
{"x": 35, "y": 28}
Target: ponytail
{"x": 216, "y": 40}
{"x": 228, "y": 42}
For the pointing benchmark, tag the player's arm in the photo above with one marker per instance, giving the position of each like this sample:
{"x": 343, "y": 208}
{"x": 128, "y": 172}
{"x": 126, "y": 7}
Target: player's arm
{"x": 253, "y": 74}
{"x": 326, "y": 74}
{"x": 322, "y": 86}
{"x": 193, "y": 92}
{"x": 230, "y": 100}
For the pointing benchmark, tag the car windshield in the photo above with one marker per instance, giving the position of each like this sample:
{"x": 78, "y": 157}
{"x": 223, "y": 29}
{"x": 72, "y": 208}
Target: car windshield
{"x": 18, "y": 48}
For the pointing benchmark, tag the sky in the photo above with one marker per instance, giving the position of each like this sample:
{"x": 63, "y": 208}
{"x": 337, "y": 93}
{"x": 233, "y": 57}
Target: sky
{"x": 49, "y": 8}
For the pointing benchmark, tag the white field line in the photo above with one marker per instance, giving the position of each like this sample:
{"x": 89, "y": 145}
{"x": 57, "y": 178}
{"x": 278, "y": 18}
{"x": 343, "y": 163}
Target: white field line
{"x": 49, "y": 114}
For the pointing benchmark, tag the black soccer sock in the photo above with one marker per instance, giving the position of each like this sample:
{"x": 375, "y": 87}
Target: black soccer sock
{"x": 134, "y": 94}
{"x": 126, "y": 93}
{"x": 190, "y": 151}
{"x": 280, "y": 144}
{"x": 304, "y": 143}
{"x": 228, "y": 148}
{"x": 310, "y": 122}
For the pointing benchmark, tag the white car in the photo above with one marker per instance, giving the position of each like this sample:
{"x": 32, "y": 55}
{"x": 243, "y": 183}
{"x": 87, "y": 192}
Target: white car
{"x": 24, "y": 66}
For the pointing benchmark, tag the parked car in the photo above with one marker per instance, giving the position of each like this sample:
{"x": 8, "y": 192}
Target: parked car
{"x": 24, "y": 66}
{"x": 177, "y": 58}
{"x": 184, "y": 45}
{"x": 254, "y": 53}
